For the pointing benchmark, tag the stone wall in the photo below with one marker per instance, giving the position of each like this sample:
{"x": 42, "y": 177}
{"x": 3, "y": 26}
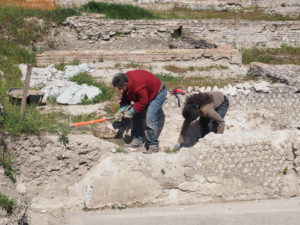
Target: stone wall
{"x": 140, "y": 56}
{"x": 195, "y": 4}
{"x": 85, "y": 173}
{"x": 94, "y": 33}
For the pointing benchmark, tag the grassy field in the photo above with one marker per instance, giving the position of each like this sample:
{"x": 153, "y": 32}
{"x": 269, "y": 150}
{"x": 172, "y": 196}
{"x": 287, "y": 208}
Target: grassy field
{"x": 283, "y": 55}
{"x": 130, "y": 12}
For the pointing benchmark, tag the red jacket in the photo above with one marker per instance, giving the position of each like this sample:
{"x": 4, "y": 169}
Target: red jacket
{"x": 143, "y": 86}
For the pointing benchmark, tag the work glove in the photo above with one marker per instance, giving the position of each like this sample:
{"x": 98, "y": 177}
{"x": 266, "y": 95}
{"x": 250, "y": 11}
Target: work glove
{"x": 129, "y": 113}
{"x": 177, "y": 146}
{"x": 121, "y": 111}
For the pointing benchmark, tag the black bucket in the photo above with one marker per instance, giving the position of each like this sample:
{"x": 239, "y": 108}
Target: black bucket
{"x": 34, "y": 97}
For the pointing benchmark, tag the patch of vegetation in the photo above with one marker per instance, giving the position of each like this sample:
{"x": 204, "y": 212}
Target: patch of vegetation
{"x": 115, "y": 206}
{"x": 112, "y": 108}
{"x": 117, "y": 65}
{"x": 177, "y": 69}
{"x": 184, "y": 82}
{"x": 171, "y": 150}
{"x": 177, "y": 34}
{"x": 163, "y": 172}
{"x": 253, "y": 13}
{"x": 101, "y": 59}
{"x": 21, "y": 31}
{"x": 85, "y": 78}
{"x": 285, "y": 170}
{"x": 121, "y": 150}
{"x": 18, "y": 28}
{"x": 135, "y": 66}
{"x": 283, "y": 55}
{"x": 6, "y": 203}
{"x": 63, "y": 137}
{"x": 33, "y": 122}
{"x": 7, "y": 162}
{"x": 118, "y": 11}
{"x": 61, "y": 65}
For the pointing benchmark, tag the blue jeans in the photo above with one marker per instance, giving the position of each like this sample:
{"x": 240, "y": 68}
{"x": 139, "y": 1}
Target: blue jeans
{"x": 148, "y": 123}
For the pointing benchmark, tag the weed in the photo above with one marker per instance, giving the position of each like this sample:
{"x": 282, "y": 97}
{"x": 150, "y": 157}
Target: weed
{"x": 177, "y": 34}
{"x": 184, "y": 82}
{"x": 119, "y": 34}
{"x": 111, "y": 108}
{"x": 121, "y": 150}
{"x": 163, "y": 172}
{"x": 118, "y": 11}
{"x": 85, "y": 78}
{"x": 117, "y": 65}
{"x": 285, "y": 170}
{"x": 60, "y": 66}
{"x": 101, "y": 59}
{"x": 7, "y": 162}
{"x": 150, "y": 67}
{"x": 170, "y": 150}
{"x": 244, "y": 14}
{"x": 115, "y": 206}
{"x": 89, "y": 36}
{"x": 8, "y": 204}
{"x": 135, "y": 66}
{"x": 176, "y": 69}
{"x": 63, "y": 137}
{"x": 283, "y": 55}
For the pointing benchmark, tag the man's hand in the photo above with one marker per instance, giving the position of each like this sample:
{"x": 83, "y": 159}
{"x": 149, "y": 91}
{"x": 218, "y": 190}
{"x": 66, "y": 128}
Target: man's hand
{"x": 118, "y": 115}
{"x": 129, "y": 113}
{"x": 121, "y": 112}
{"x": 177, "y": 146}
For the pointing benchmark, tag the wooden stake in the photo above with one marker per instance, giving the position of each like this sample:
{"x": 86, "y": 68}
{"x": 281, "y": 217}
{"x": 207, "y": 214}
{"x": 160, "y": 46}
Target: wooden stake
{"x": 25, "y": 90}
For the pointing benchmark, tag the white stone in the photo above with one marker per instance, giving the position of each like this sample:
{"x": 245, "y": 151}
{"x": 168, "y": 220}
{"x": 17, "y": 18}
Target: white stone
{"x": 21, "y": 188}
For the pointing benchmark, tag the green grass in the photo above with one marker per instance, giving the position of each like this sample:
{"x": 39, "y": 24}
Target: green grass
{"x": 177, "y": 69}
{"x": 85, "y": 78}
{"x": 245, "y": 14}
{"x": 7, "y": 162}
{"x": 6, "y": 203}
{"x": 21, "y": 31}
{"x": 61, "y": 65}
{"x": 131, "y": 12}
{"x": 184, "y": 82}
{"x": 33, "y": 122}
{"x": 117, "y": 11}
{"x": 283, "y": 55}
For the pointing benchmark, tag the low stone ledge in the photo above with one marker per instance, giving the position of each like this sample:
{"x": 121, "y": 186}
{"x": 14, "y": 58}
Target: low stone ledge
{"x": 140, "y": 56}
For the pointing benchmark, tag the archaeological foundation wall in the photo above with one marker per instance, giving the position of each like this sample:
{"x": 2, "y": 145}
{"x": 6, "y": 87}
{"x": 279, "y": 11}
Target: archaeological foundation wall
{"x": 194, "y": 4}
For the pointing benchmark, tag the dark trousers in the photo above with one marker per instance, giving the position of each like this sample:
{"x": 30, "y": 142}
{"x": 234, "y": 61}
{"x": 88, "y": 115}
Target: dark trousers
{"x": 207, "y": 125}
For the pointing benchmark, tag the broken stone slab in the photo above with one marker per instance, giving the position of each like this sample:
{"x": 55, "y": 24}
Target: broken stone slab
{"x": 41, "y": 76}
{"x": 262, "y": 86}
{"x": 67, "y": 92}
{"x": 288, "y": 74}
{"x": 75, "y": 93}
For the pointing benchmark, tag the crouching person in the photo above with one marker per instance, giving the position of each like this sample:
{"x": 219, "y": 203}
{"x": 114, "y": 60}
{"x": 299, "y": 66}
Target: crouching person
{"x": 148, "y": 94}
{"x": 211, "y": 107}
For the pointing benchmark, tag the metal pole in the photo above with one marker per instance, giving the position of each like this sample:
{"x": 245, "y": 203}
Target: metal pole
{"x": 25, "y": 90}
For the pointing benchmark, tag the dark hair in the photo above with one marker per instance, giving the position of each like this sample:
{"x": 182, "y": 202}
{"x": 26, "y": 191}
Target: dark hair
{"x": 191, "y": 110}
{"x": 119, "y": 79}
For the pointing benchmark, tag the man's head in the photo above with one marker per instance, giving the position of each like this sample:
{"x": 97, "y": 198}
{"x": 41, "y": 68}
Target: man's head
{"x": 120, "y": 81}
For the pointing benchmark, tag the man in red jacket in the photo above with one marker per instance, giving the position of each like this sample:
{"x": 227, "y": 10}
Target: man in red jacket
{"x": 148, "y": 94}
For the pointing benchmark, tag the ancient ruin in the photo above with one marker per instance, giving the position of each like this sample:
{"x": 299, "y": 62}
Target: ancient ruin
{"x": 258, "y": 156}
